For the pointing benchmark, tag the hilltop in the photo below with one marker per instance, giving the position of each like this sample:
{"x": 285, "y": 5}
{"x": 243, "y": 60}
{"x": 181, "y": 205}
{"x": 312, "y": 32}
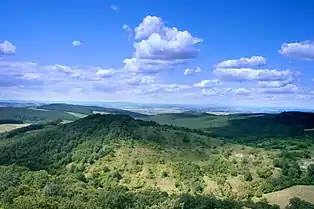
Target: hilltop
{"x": 134, "y": 159}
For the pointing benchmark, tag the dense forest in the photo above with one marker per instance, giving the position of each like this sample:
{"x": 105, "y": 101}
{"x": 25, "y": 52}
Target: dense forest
{"x": 87, "y": 110}
{"x": 116, "y": 161}
{"x": 29, "y": 115}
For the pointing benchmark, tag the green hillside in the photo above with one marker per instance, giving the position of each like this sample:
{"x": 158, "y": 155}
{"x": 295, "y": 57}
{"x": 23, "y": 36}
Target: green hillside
{"x": 264, "y": 130}
{"x": 87, "y": 110}
{"x": 28, "y": 115}
{"x": 115, "y": 161}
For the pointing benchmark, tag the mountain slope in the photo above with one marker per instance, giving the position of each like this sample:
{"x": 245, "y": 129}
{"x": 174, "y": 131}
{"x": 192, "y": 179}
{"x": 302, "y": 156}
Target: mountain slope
{"x": 115, "y": 161}
{"x": 28, "y": 115}
{"x": 87, "y": 110}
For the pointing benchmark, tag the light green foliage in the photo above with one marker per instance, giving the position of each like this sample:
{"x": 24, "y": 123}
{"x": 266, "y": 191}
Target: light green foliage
{"x": 114, "y": 161}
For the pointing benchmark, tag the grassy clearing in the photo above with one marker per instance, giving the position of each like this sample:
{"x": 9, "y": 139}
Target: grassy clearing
{"x": 79, "y": 115}
{"x": 101, "y": 112}
{"x": 191, "y": 121}
{"x": 282, "y": 197}
{"x": 10, "y": 127}
{"x": 38, "y": 109}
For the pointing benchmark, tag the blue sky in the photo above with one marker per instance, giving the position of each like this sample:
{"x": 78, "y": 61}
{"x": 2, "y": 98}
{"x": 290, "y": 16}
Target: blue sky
{"x": 257, "y": 53}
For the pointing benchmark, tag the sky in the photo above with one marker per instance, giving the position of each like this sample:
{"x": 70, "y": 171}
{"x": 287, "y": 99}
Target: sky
{"x": 219, "y": 52}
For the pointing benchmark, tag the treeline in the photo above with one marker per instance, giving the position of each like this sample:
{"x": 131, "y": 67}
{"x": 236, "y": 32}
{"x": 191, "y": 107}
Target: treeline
{"x": 87, "y": 110}
{"x": 50, "y": 148}
{"x": 10, "y": 121}
{"x": 32, "y": 127}
{"x": 24, "y": 189}
{"x": 33, "y": 116}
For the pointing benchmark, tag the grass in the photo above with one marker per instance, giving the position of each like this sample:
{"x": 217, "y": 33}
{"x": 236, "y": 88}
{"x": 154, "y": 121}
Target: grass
{"x": 78, "y": 115}
{"x": 28, "y": 115}
{"x": 204, "y": 121}
{"x": 100, "y": 112}
{"x": 282, "y": 197}
{"x": 10, "y": 127}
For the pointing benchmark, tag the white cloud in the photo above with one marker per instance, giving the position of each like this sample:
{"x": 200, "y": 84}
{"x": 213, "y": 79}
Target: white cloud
{"x": 190, "y": 71}
{"x": 287, "y": 89}
{"x": 149, "y": 66}
{"x": 172, "y": 45}
{"x": 273, "y": 84}
{"x": 212, "y": 92}
{"x": 248, "y": 74}
{"x": 163, "y": 46}
{"x": 242, "y": 62}
{"x": 128, "y": 29}
{"x": 241, "y": 91}
{"x": 149, "y": 26}
{"x": 76, "y": 43}
{"x": 7, "y": 47}
{"x": 136, "y": 80}
{"x": 162, "y": 88}
{"x": 105, "y": 73}
{"x": 207, "y": 83}
{"x": 303, "y": 50}
{"x": 31, "y": 76}
{"x": 114, "y": 7}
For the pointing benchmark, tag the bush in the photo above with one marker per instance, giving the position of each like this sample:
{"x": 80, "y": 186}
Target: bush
{"x": 248, "y": 176}
{"x": 164, "y": 174}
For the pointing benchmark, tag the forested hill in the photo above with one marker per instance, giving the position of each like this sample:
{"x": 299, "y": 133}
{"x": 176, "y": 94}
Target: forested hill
{"x": 28, "y": 115}
{"x": 53, "y": 146}
{"x": 87, "y": 110}
{"x": 118, "y": 162}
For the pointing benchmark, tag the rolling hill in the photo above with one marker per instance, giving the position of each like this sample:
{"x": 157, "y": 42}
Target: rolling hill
{"x": 29, "y": 115}
{"x": 87, "y": 110}
{"x": 115, "y": 161}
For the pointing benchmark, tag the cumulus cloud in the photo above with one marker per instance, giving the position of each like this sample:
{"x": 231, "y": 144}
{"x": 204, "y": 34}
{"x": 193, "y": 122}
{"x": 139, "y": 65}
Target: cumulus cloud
{"x": 114, "y": 7}
{"x": 136, "y": 65}
{"x": 241, "y": 91}
{"x": 135, "y": 80}
{"x": 242, "y": 62}
{"x": 162, "y": 88}
{"x": 190, "y": 71}
{"x": 248, "y": 74}
{"x": 31, "y": 73}
{"x": 76, "y": 43}
{"x": 207, "y": 83}
{"x": 287, "y": 89}
{"x": 105, "y": 73}
{"x": 156, "y": 43}
{"x": 273, "y": 84}
{"x": 7, "y": 47}
{"x": 302, "y": 50}
{"x": 149, "y": 26}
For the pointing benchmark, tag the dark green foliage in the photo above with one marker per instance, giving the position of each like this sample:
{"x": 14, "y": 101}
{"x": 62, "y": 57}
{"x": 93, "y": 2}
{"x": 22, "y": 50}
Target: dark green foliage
{"x": 33, "y": 116}
{"x": 264, "y": 173}
{"x": 248, "y": 176}
{"x": 51, "y": 148}
{"x": 88, "y": 110}
{"x": 273, "y": 131}
{"x": 310, "y": 173}
{"x": 33, "y": 127}
{"x": 164, "y": 174}
{"x": 71, "y": 166}
{"x": 297, "y": 203}
{"x": 10, "y": 121}
{"x": 66, "y": 192}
